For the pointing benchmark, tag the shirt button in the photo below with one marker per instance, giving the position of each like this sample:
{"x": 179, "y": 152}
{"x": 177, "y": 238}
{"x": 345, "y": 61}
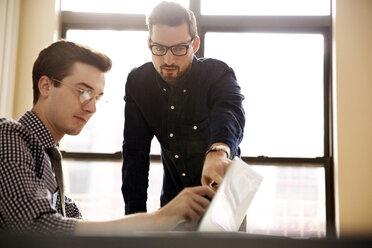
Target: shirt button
{"x": 183, "y": 174}
{"x": 194, "y": 127}
{"x": 184, "y": 91}
{"x": 172, "y": 107}
{"x": 171, "y": 135}
{"x": 176, "y": 156}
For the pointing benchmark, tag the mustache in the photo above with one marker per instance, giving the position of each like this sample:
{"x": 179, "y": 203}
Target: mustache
{"x": 169, "y": 66}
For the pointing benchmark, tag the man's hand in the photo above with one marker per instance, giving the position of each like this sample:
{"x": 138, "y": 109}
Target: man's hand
{"x": 215, "y": 167}
{"x": 190, "y": 204}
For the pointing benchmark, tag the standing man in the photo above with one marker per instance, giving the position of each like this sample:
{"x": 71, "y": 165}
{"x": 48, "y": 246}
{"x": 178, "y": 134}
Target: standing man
{"x": 68, "y": 80}
{"x": 193, "y": 107}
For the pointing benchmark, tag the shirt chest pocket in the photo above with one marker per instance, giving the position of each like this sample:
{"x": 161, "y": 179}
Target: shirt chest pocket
{"x": 196, "y": 136}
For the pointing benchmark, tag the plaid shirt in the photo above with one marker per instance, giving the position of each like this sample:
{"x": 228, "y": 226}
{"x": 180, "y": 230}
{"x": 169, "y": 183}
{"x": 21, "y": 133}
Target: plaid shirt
{"x": 28, "y": 188}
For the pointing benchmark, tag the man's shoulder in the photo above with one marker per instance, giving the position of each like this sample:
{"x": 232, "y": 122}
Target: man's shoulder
{"x": 8, "y": 124}
{"x": 212, "y": 63}
{"x": 16, "y": 141}
{"x": 144, "y": 69}
{"x": 13, "y": 132}
{"x": 213, "y": 69}
{"x": 140, "y": 77}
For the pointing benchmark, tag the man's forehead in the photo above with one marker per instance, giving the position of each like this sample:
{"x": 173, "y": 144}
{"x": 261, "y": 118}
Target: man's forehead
{"x": 170, "y": 35}
{"x": 87, "y": 76}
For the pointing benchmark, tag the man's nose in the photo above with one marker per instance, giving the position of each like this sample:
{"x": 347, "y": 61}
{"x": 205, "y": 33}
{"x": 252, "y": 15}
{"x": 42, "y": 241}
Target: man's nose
{"x": 169, "y": 57}
{"x": 90, "y": 106}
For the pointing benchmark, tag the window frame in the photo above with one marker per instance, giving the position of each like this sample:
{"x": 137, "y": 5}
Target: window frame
{"x": 215, "y": 23}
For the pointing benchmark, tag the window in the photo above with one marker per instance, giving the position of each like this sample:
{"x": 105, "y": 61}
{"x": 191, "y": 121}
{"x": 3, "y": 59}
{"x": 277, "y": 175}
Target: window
{"x": 265, "y": 7}
{"x": 113, "y": 6}
{"x": 280, "y": 52}
{"x": 290, "y": 202}
{"x": 99, "y": 196}
{"x": 281, "y": 76}
{"x": 127, "y": 49}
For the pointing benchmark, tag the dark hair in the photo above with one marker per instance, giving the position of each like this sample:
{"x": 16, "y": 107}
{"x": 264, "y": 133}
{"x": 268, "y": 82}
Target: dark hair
{"x": 56, "y": 62}
{"x": 172, "y": 14}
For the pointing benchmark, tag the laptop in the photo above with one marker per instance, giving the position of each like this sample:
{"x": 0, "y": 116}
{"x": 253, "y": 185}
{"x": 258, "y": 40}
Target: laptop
{"x": 232, "y": 199}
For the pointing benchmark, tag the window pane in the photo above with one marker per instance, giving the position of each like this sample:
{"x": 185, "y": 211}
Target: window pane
{"x": 290, "y": 202}
{"x": 113, "y": 6}
{"x": 127, "y": 49}
{"x": 96, "y": 188}
{"x": 281, "y": 76}
{"x": 266, "y": 7}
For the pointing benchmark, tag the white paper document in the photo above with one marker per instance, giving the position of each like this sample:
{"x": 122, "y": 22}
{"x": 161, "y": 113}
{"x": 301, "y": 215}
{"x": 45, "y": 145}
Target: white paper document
{"x": 232, "y": 199}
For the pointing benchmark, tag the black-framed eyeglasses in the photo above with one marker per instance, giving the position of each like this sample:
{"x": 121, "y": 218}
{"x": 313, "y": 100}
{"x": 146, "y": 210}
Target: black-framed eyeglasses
{"x": 85, "y": 96}
{"x": 177, "y": 50}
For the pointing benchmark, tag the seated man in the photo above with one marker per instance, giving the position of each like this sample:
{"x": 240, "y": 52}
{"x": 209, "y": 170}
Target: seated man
{"x": 68, "y": 80}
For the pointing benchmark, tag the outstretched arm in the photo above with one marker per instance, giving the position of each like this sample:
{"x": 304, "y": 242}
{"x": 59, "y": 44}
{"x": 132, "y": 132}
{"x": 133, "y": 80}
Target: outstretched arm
{"x": 226, "y": 125}
{"x": 189, "y": 206}
{"x": 216, "y": 164}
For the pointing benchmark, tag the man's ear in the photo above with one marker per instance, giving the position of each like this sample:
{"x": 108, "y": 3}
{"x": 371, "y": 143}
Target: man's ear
{"x": 44, "y": 84}
{"x": 196, "y": 43}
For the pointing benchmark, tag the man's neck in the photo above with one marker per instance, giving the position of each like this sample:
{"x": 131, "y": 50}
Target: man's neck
{"x": 38, "y": 111}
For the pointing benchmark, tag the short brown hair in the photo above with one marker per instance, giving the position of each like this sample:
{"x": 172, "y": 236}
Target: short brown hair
{"x": 172, "y": 14}
{"x": 57, "y": 60}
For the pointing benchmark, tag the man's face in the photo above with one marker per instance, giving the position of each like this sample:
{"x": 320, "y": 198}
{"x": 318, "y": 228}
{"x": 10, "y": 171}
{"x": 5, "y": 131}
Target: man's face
{"x": 65, "y": 113}
{"x": 170, "y": 67}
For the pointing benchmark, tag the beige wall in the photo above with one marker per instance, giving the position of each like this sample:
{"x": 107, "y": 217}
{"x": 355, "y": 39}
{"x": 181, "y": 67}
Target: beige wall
{"x": 353, "y": 116}
{"x": 38, "y": 26}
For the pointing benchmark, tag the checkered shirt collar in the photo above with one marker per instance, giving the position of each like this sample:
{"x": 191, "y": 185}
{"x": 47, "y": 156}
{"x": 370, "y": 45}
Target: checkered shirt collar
{"x": 32, "y": 122}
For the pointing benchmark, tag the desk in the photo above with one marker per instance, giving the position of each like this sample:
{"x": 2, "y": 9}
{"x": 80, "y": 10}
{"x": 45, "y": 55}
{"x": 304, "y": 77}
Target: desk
{"x": 177, "y": 240}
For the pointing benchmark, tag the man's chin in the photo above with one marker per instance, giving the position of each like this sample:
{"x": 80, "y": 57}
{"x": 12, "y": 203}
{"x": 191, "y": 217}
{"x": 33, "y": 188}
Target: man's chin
{"x": 74, "y": 132}
{"x": 170, "y": 80}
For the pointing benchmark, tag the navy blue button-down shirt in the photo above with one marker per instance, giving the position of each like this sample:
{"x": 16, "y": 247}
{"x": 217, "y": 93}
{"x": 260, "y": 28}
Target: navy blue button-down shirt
{"x": 186, "y": 118}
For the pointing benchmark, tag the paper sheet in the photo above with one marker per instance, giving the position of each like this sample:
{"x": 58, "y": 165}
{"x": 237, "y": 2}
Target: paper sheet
{"x": 232, "y": 199}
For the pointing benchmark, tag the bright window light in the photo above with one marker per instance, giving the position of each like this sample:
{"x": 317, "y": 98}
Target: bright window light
{"x": 99, "y": 196}
{"x": 290, "y": 202}
{"x": 113, "y": 6}
{"x": 266, "y": 7}
{"x": 281, "y": 77}
{"x": 127, "y": 49}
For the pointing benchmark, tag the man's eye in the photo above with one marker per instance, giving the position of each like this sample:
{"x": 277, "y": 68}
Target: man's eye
{"x": 178, "y": 48}
{"x": 159, "y": 48}
{"x": 85, "y": 95}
